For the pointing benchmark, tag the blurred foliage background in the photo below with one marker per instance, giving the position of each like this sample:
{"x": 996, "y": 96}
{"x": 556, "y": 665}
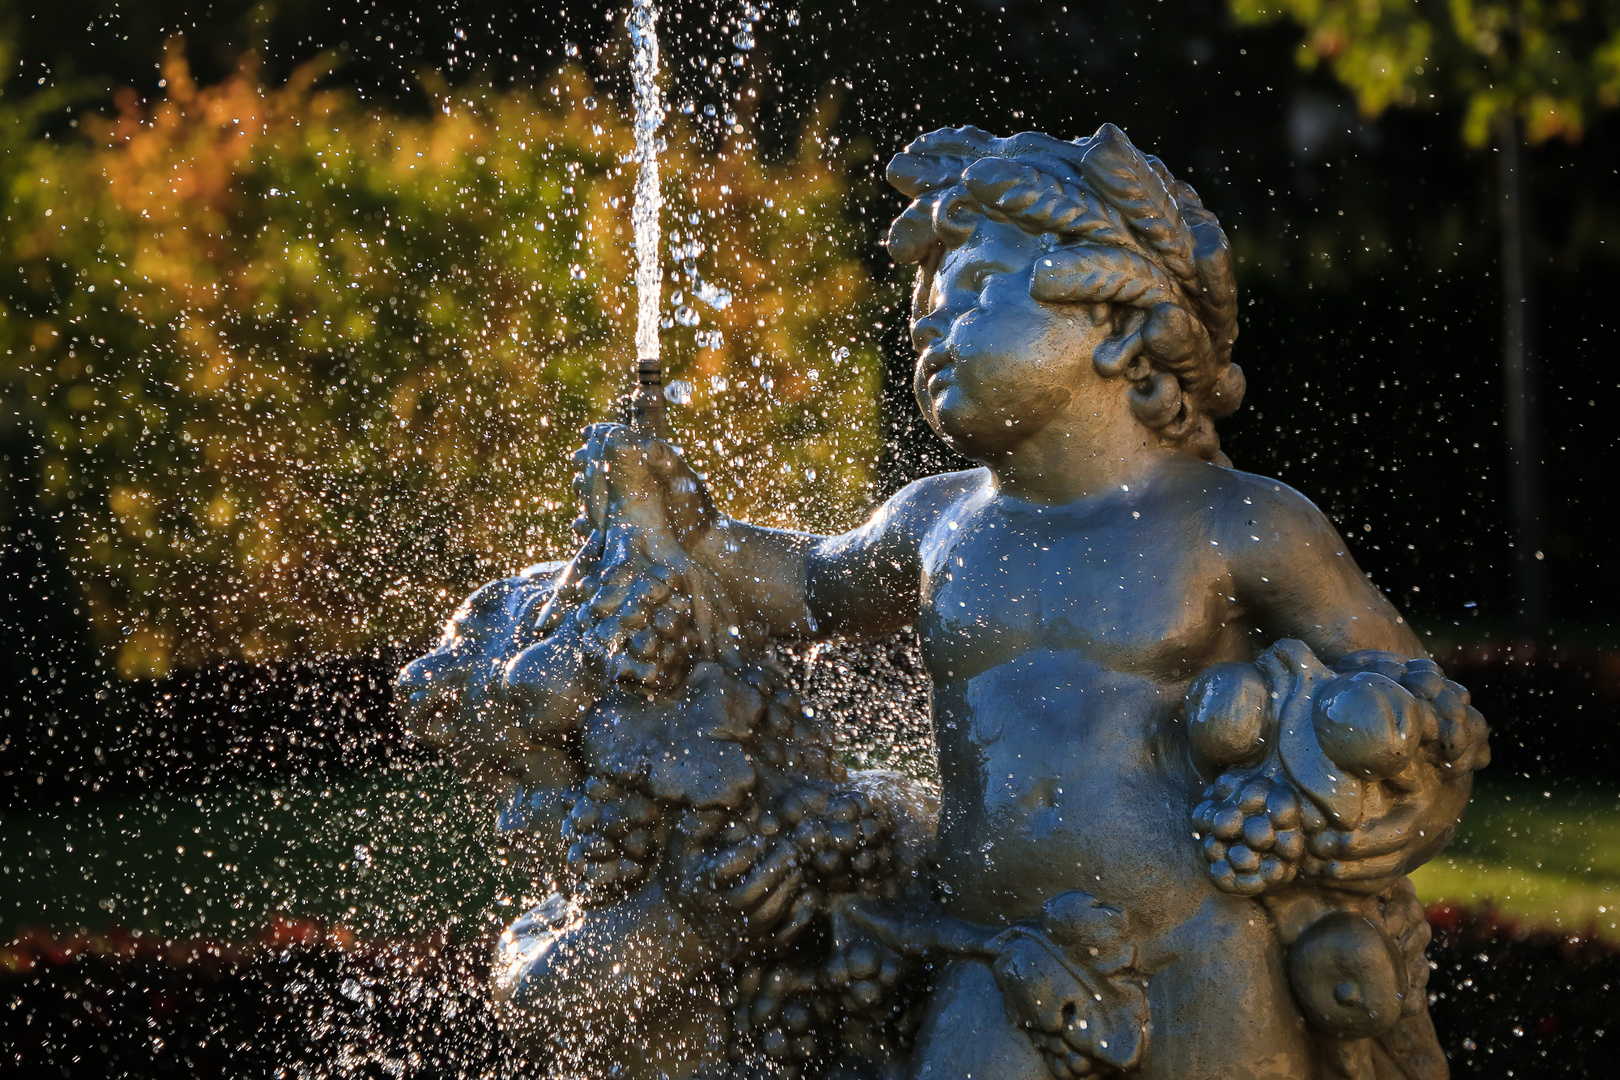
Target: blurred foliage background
{"x": 1551, "y": 65}
{"x": 301, "y": 373}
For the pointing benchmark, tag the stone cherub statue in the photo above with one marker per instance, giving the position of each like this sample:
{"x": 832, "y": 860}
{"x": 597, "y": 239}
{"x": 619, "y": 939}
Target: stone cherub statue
{"x": 1187, "y": 752}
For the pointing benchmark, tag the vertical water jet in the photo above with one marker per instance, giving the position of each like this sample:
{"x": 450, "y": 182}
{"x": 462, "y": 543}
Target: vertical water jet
{"x": 647, "y": 400}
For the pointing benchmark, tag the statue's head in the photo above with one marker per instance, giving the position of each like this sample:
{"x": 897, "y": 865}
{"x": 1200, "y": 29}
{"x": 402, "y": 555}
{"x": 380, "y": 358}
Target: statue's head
{"x": 1030, "y": 250}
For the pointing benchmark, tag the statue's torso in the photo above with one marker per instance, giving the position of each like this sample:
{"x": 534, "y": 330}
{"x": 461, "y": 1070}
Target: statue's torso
{"x": 1061, "y": 641}
{"x": 1061, "y": 644}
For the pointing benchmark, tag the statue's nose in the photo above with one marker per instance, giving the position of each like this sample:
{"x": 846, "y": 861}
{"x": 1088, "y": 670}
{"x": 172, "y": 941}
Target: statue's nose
{"x": 930, "y": 328}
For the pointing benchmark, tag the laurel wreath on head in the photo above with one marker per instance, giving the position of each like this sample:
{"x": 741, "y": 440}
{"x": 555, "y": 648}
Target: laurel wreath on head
{"x": 1130, "y": 234}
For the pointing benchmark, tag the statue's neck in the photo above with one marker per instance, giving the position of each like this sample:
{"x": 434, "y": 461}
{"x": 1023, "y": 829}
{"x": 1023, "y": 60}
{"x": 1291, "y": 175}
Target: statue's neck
{"x": 1063, "y": 464}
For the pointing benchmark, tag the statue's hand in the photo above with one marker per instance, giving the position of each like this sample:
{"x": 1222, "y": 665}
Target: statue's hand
{"x": 1413, "y": 740}
{"x": 627, "y": 477}
{"x": 1399, "y": 830}
{"x": 652, "y": 602}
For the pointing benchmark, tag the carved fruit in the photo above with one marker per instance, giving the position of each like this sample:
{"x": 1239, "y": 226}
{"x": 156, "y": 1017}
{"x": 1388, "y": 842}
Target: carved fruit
{"x": 550, "y": 686}
{"x": 1368, "y": 723}
{"x": 614, "y": 838}
{"x": 1243, "y": 859}
{"x": 1347, "y": 977}
{"x": 1226, "y": 710}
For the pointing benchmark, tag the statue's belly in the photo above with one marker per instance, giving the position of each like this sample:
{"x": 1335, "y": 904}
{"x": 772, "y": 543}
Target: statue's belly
{"x": 1058, "y": 774}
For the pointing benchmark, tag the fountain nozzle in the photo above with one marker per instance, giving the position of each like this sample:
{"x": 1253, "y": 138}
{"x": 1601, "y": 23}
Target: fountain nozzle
{"x": 647, "y": 402}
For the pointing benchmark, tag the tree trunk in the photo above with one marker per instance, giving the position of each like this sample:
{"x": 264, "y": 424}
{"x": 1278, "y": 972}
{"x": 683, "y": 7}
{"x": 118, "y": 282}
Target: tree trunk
{"x": 1519, "y": 384}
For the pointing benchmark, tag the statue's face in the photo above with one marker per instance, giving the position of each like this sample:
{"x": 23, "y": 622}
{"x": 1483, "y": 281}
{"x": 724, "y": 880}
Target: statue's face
{"x": 995, "y": 366}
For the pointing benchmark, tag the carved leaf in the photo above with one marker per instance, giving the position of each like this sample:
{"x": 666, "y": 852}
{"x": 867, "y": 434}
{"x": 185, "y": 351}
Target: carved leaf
{"x": 1045, "y": 203}
{"x": 914, "y": 174}
{"x": 1121, "y": 174}
{"x": 685, "y": 751}
{"x": 1104, "y": 1016}
{"x": 1091, "y": 273}
{"x": 1079, "y": 921}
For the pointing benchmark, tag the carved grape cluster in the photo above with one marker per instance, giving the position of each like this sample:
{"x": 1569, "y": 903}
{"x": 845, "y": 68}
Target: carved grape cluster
{"x": 1309, "y": 761}
{"x": 772, "y": 864}
{"x": 633, "y": 612}
{"x": 845, "y": 838}
{"x": 791, "y": 1013}
{"x": 615, "y": 838}
{"x": 790, "y": 739}
{"x": 778, "y": 1013}
{"x": 1253, "y": 830}
{"x": 785, "y": 862}
{"x": 865, "y": 974}
{"x": 642, "y": 622}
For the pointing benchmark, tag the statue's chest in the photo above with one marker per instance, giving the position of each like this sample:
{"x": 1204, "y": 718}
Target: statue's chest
{"x": 1123, "y": 596}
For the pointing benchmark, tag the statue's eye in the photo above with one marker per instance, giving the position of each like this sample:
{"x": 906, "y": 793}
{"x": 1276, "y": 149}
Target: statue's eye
{"x": 977, "y": 278}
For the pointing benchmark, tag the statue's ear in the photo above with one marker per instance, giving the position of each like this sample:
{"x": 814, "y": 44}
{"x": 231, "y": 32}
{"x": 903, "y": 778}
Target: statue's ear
{"x": 1117, "y": 352}
{"x": 1176, "y": 337}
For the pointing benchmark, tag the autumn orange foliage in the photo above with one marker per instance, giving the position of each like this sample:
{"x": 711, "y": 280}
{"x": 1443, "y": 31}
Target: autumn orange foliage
{"x": 304, "y": 372}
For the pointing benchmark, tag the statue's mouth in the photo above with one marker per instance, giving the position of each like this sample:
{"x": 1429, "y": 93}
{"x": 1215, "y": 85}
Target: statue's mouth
{"x": 934, "y": 361}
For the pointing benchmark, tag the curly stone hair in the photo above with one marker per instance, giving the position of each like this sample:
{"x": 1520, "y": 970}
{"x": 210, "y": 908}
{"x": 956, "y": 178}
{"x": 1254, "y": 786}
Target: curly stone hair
{"x": 1130, "y": 235}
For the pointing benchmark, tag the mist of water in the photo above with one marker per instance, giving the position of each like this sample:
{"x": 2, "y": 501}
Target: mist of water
{"x": 649, "y": 109}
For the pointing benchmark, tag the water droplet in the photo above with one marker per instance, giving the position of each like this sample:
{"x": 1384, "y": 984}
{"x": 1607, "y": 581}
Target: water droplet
{"x": 716, "y": 296}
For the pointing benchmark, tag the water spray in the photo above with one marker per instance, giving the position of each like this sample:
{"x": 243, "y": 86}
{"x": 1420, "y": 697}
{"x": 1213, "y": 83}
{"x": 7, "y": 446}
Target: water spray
{"x": 647, "y": 399}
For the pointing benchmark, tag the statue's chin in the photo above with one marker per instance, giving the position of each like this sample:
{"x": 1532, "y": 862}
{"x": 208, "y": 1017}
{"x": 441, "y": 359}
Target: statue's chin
{"x": 967, "y": 431}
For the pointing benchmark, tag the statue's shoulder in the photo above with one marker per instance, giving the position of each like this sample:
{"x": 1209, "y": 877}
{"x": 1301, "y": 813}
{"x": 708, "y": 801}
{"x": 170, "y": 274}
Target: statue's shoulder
{"x": 915, "y": 507}
{"x": 1241, "y": 504}
{"x": 941, "y": 489}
